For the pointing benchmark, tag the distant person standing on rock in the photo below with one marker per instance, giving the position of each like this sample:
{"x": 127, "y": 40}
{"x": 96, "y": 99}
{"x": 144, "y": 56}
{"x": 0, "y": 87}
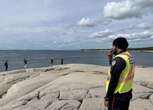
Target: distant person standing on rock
{"x": 25, "y": 63}
{"x": 62, "y": 61}
{"x": 6, "y": 65}
{"x": 51, "y": 61}
{"x": 119, "y": 84}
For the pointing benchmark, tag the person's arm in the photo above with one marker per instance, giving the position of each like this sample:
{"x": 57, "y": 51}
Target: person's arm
{"x": 118, "y": 66}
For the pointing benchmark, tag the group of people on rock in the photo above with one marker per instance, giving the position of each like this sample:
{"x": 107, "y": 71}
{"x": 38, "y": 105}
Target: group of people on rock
{"x": 26, "y": 63}
{"x": 6, "y": 64}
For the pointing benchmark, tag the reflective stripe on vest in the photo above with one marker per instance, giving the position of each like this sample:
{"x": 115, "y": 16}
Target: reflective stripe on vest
{"x": 126, "y": 78}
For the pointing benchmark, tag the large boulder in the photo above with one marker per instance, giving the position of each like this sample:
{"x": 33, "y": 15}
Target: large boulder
{"x": 92, "y": 104}
{"x": 65, "y": 105}
{"x": 141, "y": 104}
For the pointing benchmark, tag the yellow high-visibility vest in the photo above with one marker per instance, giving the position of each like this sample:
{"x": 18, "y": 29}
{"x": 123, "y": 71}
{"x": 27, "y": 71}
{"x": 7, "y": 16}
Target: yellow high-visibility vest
{"x": 125, "y": 83}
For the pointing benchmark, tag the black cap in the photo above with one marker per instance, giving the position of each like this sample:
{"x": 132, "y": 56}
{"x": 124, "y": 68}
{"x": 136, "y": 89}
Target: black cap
{"x": 121, "y": 43}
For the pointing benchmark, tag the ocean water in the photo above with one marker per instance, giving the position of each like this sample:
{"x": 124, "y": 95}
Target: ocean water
{"x": 41, "y": 58}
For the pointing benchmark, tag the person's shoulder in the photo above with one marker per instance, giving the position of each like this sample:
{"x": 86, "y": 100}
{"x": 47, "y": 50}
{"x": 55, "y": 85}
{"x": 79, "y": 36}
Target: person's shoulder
{"x": 118, "y": 60}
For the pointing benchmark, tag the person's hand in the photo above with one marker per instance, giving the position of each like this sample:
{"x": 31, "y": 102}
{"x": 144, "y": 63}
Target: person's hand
{"x": 106, "y": 103}
{"x": 110, "y": 55}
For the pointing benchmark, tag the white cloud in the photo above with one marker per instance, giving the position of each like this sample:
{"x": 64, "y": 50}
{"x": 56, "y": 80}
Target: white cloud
{"x": 134, "y": 36}
{"x": 128, "y": 9}
{"x": 22, "y": 30}
{"x": 87, "y": 22}
{"x": 37, "y": 37}
{"x": 141, "y": 35}
{"x": 143, "y": 26}
{"x": 101, "y": 34}
{"x": 108, "y": 35}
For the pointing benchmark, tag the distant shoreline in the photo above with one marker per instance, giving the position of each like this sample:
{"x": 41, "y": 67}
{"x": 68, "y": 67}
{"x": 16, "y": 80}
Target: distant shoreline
{"x": 144, "y": 49}
{"x": 148, "y": 49}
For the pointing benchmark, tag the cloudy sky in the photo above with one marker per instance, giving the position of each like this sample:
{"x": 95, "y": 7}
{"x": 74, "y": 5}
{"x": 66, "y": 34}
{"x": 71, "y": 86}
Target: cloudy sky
{"x": 74, "y": 24}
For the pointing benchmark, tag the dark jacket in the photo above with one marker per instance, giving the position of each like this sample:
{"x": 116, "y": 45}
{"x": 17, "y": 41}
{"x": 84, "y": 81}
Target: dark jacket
{"x": 118, "y": 65}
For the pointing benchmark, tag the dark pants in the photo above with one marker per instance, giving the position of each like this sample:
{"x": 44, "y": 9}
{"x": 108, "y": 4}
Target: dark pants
{"x": 6, "y": 68}
{"x": 120, "y": 102}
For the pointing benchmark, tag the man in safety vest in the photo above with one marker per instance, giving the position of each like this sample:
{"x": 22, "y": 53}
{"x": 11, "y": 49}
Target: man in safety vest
{"x": 120, "y": 77}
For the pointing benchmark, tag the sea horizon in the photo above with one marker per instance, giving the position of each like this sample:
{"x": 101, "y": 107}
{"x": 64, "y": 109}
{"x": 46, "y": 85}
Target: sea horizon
{"x": 42, "y": 58}
{"x": 144, "y": 47}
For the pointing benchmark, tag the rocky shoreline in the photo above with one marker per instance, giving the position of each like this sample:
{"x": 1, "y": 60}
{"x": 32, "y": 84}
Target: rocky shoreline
{"x": 67, "y": 87}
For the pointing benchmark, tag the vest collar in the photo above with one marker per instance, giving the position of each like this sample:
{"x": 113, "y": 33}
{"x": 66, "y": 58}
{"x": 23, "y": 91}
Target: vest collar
{"x": 123, "y": 51}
